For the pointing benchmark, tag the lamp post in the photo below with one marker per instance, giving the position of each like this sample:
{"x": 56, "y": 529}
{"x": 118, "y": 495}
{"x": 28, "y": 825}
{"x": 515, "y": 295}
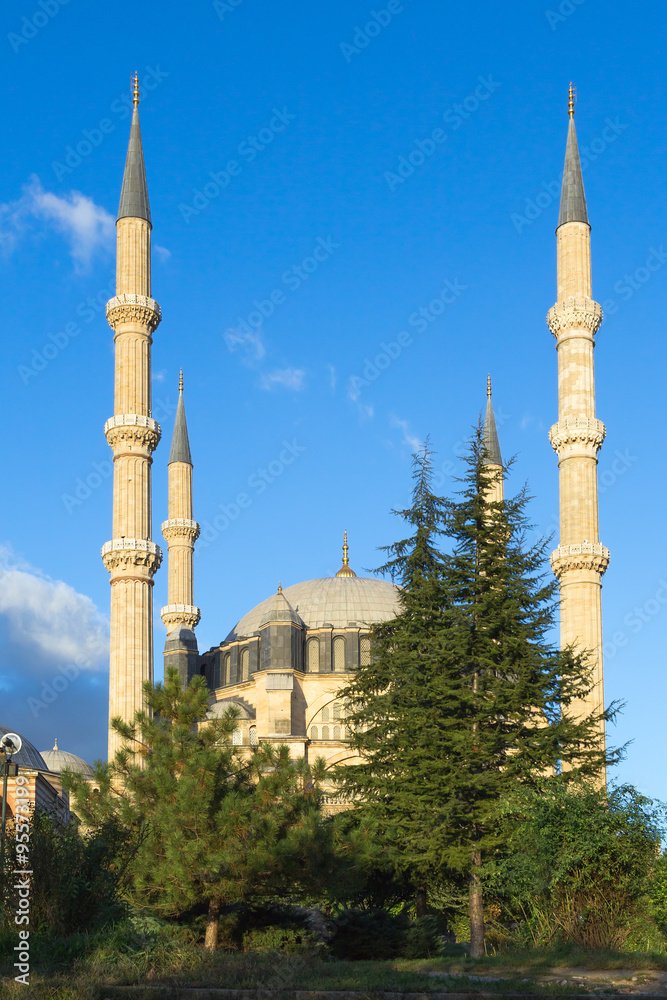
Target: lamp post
{"x": 9, "y": 744}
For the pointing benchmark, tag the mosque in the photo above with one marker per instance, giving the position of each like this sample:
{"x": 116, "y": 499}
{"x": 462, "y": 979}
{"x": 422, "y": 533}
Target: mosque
{"x": 282, "y": 665}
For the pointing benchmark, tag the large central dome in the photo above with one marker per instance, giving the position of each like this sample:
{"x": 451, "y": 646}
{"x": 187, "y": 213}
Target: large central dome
{"x": 337, "y": 600}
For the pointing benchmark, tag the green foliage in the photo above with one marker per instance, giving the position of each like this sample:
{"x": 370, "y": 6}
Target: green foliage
{"x": 206, "y": 820}
{"x": 75, "y": 880}
{"x": 657, "y": 893}
{"x": 373, "y": 934}
{"x": 581, "y": 865}
{"x": 465, "y": 698}
{"x": 287, "y": 940}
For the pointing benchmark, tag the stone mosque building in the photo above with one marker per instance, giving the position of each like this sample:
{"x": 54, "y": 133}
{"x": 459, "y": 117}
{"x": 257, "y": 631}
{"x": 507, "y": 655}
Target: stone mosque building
{"x": 282, "y": 665}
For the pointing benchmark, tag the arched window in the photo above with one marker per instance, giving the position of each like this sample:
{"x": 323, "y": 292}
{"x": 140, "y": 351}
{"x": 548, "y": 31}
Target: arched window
{"x": 237, "y": 737}
{"x": 336, "y": 710}
{"x": 365, "y": 650}
{"x": 325, "y": 732}
{"x": 325, "y": 714}
{"x": 313, "y": 732}
{"x": 336, "y": 734}
{"x": 313, "y": 655}
{"x": 245, "y": 663}
{"x": 254, "y": 742}
{"x": 225, "y": 678}
{"x": 339, "y": 653}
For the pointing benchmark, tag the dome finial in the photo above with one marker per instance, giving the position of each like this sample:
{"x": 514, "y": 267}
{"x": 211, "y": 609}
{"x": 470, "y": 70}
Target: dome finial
{"x": 280, "y": 587}
{"x": 55, "y": 744}
{"x": 572, "y": 98}
{"x": 135, "y": 89}
{"x": 345, "y": 568}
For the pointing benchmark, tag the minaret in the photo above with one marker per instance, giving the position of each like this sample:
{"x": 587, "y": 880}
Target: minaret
{"x": 131, "y": 557}
{"x": 492, "y": 457}
{"x": 580, "y": 560}
{"x": 180, "y": 616}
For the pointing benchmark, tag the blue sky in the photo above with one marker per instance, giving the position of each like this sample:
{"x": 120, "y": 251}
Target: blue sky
{"x": 297, "y": 236}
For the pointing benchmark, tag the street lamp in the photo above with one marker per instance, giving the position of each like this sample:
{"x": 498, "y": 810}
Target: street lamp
{"x": 9, "y": 745}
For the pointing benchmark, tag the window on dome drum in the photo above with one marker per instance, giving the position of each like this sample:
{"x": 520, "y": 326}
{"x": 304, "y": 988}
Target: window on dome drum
{"x": 237, "y": 737}
{"x": 325, "y": 732}
{"x": 225, "y": 679}
{"x": 325, "y": 714}
{"x": 313, "y": 732}
{"x": 365, "y": 650}
{"x": 336, "y": 734}
{"x": 245, "y": 661}
{"x": 313, "y": 655}
{"x": 339, "y": 653}
{"x": 336, "y": 711}
{"x": 254, "y": 742}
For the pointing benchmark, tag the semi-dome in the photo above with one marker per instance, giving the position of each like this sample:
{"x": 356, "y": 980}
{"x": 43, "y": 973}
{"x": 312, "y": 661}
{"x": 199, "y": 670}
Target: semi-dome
{"x": 28, "y": 755}
{"x": 338, "y": 600}
{"x": 58, "y": 761}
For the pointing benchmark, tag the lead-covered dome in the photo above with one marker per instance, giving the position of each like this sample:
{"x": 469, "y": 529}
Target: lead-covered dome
{"x": 338, "y": 600}
{"x": 28, "y": 755}
{"x": 60, "y": 760}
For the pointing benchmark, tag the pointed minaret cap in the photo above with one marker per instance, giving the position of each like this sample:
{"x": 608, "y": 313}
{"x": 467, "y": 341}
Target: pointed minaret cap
{"x": 572, "y": 198}
{"x": 134, "y": 193}
{"x": 490, "y": 437}
{"x": 180, "y": 445}
{"x": 345, "y": 569}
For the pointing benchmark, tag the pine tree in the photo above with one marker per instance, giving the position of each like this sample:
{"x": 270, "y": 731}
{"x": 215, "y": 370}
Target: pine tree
{"x": 465, "y": 697}
{"x": 206, "y": 821}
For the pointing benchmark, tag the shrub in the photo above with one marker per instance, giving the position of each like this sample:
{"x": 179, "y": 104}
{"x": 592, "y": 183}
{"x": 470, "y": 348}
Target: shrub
{"x": 288, "y": 940}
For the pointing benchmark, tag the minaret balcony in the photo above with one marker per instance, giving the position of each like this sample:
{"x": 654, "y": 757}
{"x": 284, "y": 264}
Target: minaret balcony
{"x": 180, "y": 527}
{"x": 132, "y": 430}
{"x": 574, "y": 315}
{"x": 577, "y": 436}
{"x": 131, "y": 308}
{"x": 125, "y": 554}
{"x": 584, "y": 556}
{"x": 180, "y": 614}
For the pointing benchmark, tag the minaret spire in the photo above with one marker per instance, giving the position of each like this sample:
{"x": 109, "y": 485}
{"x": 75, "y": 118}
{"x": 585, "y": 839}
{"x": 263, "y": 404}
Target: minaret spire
{"x": 492, "y": 457}
{"x": 131, "y": 557}
{"x": 580, "y": 560}
{"x": 180, "y": 616}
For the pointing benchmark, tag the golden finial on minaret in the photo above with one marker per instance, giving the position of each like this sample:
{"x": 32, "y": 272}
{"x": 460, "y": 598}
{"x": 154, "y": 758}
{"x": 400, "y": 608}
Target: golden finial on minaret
{"x": 135, "y": 90}
{"x": 180, "y": 381}
{"x": 570, "y": 103}
{"x": 345, "y": 568}
{"x": 280, "y": 587}
{"x": 488, "y": 386}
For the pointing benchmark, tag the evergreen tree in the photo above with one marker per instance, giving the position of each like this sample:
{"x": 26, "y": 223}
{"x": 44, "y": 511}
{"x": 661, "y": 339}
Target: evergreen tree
{"x": 209, "y": 822}
{"x": 465, "y": 697}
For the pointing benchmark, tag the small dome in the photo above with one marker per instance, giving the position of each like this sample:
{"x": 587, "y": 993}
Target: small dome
{"x": 27, "y": 756}
{"x": 58, "y": 761}
{"x": 333, "y": 600}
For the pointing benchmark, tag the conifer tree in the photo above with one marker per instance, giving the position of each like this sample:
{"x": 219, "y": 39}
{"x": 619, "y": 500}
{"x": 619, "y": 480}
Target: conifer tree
{"x": 207, "y": 821}
{"x": 465, "y": 697}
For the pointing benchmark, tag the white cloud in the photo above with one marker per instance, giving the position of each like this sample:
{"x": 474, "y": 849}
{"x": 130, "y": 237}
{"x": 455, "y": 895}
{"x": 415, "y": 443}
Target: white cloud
{"x": 160, "y": 375}
{"x": 86, "y": 226}
{"x": 333, "y": 378}
{"x": 249, "y": 343}
{"x": 408, "y": 438}
{"x": 162, "y": 253}
{"x": 288, "y": 378}
{"x": 48, "y": 622}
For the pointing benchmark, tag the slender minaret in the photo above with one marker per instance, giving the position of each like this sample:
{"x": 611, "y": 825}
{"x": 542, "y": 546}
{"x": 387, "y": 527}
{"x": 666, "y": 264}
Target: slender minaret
{"x": 180, "y": 616}
{"x": 131, "y": 557}
{"x": 492, "y": 457}
{"x": 580, "y": 560}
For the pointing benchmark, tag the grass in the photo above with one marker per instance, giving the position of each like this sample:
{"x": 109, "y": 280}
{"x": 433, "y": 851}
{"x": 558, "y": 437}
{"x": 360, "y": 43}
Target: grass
{"x": 539, "y": 961}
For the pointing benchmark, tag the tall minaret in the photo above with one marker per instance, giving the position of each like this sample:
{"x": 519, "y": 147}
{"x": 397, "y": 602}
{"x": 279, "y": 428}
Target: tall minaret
{"x": 131, "y": 557}
{"x": 180, "y": 616}
{"x": 580, "y": 559}
{"x": 492, "y": 457}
